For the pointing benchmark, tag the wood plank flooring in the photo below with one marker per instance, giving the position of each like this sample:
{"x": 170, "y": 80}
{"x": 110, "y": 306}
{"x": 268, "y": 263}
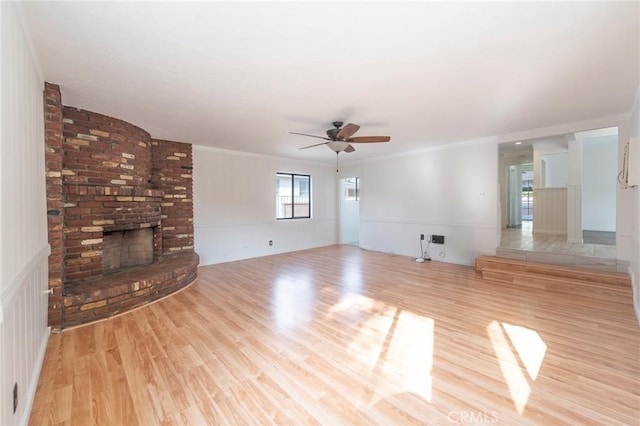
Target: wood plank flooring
{"x": 340, "y": 335}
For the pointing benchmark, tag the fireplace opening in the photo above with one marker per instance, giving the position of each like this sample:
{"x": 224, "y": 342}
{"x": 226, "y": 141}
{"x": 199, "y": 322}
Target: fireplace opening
{"x": 125, "y": 249}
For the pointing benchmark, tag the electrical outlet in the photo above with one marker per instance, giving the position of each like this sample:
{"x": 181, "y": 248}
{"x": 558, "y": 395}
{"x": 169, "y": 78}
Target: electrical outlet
{"x": 421, "y": 237}
{"x": 437, "y": 239}
{"x": 270, "y": 243}
{"x": 15, "y": 397}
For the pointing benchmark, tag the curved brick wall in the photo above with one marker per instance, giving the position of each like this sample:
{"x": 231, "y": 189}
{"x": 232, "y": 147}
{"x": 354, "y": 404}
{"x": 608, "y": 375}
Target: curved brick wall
{"x": 102, "y": 150}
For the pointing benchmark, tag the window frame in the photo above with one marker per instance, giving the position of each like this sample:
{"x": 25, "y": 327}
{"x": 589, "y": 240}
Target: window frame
{"x": 293, "y": 176}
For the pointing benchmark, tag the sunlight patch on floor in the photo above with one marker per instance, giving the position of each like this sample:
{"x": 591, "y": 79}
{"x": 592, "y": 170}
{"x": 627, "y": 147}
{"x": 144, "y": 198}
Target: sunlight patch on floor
{"x": 529, "y": 346}
{"x": 516, "y": 380}
{"x": 354, "y": 302}
{"x": 409, "y": 355}
{"x": 292, "y": 301}
{"x": 394, "y": 344}
{"x": 371, "y": 338}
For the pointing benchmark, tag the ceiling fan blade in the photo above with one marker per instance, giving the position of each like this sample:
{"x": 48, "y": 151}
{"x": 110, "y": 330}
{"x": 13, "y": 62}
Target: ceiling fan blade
{"x": 317, "y": 144}
{"x": 350, "y": 148}
{"x": 369, "y": 139}
{"x": 348, "y": 131}
{"x": 311, "y": 136}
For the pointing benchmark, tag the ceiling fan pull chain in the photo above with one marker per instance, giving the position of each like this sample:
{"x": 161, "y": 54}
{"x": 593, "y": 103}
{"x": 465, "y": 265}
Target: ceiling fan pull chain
{"x": 337, "y": 161}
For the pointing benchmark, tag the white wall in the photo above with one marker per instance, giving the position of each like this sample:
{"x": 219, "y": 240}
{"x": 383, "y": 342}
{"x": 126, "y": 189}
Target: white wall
{"x": 450, "y": 191}
{"x": 234, "y": 206}
{"x": 540, "y": 152}
{"x": 23, "y": 226}
{"x": 634, "y": 211}
{"x": 600, "y": 170}
{"x": 555, "y": 170}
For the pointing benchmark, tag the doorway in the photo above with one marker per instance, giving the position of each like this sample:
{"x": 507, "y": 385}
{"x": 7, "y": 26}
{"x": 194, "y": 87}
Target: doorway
{"x": 520, "y": 195}
{"x": 527, "y": 192}
{"x": 514, "y": 198}
{"x": 567, "y": 199}
{"x": 350, "y": 210}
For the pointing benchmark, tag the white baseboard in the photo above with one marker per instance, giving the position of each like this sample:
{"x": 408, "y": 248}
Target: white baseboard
{"x": 634, "y": 286}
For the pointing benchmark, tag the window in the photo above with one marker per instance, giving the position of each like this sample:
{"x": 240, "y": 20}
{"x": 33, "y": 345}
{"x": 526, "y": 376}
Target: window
{"x": 293, "y": 196}
{"x": 352, "y": 189}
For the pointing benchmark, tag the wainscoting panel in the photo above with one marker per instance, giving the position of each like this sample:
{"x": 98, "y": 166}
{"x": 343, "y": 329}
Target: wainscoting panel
{"x": 225, "y": 243}
{"x": 550, "y": 211}
{"x": 23, "y": 338}
{"x": 401, "y": 236}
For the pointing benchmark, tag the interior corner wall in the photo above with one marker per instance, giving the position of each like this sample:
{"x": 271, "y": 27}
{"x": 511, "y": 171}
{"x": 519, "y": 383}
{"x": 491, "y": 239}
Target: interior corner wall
{"x": 23, "y": 222}
{"x": 634, "y": 249}
{"x": 450, "y": 191}
{"x": 600, "y": 166}
{"x": 234, "y": 206}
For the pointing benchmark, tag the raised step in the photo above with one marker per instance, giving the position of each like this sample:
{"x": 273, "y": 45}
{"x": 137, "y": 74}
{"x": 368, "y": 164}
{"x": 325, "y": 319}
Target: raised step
{"x": 493, "y": 264}
{"x": 599, "y": 290}
{"x": 123, "y": 291}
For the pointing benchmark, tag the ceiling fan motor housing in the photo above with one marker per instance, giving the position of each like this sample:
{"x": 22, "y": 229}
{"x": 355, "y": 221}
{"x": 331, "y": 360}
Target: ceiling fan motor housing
{"x": 333, "y": 134}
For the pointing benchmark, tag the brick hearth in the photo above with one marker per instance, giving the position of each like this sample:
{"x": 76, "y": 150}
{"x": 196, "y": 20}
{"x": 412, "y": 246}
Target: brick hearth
{"x": 128, "y": 289}
{"x": 107, "y": 176}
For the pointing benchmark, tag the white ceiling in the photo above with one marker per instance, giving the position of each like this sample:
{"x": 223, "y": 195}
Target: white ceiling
{"x": 241, "y": 75}
{"x": 552, "y": 143}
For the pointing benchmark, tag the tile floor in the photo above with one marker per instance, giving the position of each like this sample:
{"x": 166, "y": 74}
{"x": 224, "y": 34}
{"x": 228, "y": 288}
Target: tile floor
{"x": 521, "y": 244}
{"x": 523, "y": 239}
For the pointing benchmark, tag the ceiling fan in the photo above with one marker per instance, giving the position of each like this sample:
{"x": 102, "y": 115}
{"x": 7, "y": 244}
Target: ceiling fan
{"x": 339, "y": 139}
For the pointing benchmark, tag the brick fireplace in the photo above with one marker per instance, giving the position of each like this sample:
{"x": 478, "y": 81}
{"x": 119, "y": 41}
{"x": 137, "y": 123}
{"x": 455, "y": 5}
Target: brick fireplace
{"x": 120, "y": 214}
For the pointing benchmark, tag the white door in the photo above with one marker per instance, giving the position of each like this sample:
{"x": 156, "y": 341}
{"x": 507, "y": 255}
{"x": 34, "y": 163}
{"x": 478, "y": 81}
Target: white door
{"x": 349, "y": 210}
{"x": 514, "y": 200}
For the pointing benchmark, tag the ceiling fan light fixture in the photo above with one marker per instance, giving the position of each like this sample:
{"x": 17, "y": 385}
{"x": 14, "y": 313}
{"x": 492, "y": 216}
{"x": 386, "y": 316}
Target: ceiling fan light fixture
{"x": 338, "y": 146}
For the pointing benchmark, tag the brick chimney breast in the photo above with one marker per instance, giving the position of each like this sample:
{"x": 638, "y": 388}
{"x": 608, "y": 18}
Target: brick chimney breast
{"x": 120, "y": 214}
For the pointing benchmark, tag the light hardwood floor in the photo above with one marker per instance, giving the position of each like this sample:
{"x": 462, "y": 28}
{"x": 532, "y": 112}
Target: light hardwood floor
{"x": 340, "y": 335}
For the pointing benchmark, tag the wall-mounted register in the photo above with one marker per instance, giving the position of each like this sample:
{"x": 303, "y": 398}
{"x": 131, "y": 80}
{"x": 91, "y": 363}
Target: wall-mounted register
{"x": 630, "y": 174}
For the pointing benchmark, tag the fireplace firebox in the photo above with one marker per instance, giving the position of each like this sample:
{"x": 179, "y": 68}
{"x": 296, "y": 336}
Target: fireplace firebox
{"x": 125, "y": 249}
